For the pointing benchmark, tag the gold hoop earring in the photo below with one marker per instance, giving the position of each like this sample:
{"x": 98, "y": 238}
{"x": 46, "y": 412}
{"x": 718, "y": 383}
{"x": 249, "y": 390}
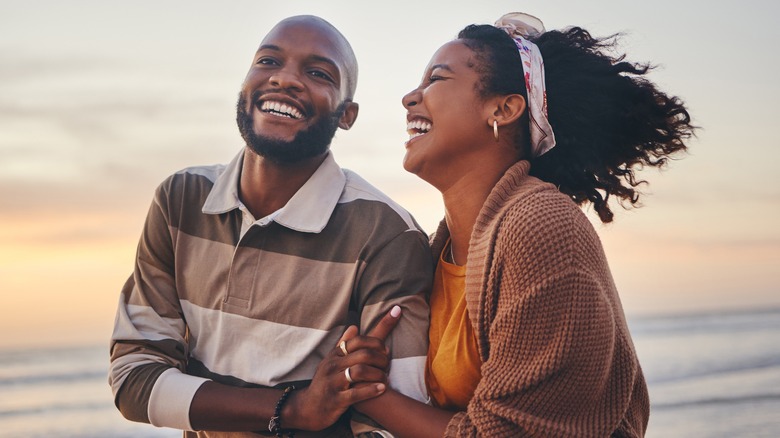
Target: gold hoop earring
{"x": 495, "y": 129}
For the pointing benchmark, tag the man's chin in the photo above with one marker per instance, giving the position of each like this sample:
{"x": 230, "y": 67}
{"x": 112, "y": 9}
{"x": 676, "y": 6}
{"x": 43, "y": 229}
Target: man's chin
{"x": 273, "y": 141}
{"x": 276, "y": 132}
{"x": 275, "y": 138}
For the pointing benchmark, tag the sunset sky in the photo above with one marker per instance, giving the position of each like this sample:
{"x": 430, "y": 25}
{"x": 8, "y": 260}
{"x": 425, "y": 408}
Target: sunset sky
{"x": 101, "y": 100}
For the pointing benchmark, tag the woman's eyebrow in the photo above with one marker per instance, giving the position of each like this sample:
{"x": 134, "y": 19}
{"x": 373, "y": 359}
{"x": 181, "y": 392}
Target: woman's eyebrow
{"x": 443, "y": 67}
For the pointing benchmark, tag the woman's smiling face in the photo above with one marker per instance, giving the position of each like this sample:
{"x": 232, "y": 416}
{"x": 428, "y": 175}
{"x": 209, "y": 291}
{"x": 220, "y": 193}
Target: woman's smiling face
{"x": 447, "y": 119}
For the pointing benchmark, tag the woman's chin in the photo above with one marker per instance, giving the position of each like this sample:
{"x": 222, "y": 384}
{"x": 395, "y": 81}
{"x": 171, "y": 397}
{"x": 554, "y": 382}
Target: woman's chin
{"x": 410, "y": 165}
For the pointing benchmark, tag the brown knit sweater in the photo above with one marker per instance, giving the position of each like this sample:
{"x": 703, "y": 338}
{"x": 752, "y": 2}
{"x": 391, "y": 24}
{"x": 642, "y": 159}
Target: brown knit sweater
{"x": 558, "y": 360}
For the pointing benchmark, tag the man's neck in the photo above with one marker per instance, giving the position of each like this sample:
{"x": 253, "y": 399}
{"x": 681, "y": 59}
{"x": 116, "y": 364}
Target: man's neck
{"x": 266, "y": 186}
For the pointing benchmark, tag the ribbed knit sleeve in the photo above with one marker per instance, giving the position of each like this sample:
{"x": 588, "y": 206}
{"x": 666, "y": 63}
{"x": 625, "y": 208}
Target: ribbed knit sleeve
{"x": 557, "y": 356}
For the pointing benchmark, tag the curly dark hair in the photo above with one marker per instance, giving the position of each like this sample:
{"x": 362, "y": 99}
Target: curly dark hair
{"x": 609, "y": 120}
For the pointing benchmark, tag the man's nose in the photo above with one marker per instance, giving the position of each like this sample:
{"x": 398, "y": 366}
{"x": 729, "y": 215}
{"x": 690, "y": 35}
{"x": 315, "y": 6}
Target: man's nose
{"x": 286, "y": 79}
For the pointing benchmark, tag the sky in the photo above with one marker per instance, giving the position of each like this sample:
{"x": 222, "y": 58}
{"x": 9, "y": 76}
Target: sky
{"x": 101, "y": 100}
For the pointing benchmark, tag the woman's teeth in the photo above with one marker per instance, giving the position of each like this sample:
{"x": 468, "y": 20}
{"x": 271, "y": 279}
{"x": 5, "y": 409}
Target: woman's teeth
{"x": 416, "y": 128}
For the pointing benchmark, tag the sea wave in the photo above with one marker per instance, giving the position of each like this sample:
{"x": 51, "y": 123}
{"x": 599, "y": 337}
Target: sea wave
{"x": 706, "y": 322}
{"x": 43, "y": 409}
{"x": 751, "y": 398}
{"x": 713, "y": 369}
{"x": 54, "y": 377}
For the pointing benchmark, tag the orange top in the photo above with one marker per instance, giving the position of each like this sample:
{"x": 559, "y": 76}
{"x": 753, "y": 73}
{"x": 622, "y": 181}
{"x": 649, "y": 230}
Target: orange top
{"x": 453, "y": 368}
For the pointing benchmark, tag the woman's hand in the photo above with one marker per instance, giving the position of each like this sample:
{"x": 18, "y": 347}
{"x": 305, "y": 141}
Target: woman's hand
{"x": 330, "y": 393}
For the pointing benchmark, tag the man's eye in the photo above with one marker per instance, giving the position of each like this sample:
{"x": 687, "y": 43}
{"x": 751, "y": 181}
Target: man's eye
{"x": 321, "y": 75}
{"x": 266, "y": 61}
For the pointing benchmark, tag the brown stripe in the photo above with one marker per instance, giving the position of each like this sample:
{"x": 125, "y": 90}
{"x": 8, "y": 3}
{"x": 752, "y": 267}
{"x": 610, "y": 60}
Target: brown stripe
{"x": 158, "y": 292}
{"x": 168, "y": 350}
{"x": 197, "y": 368}
{"x": 284, "y": 289}
{"x": 402, "y": 267}
{"x": 410, "y": 337}
{"x": 356, "y": 230}
{"x": 184, "y": 195}
{"x": 202, "y": 270}
{"x": 370, "y": 223}
{"x": 133, "y": 397}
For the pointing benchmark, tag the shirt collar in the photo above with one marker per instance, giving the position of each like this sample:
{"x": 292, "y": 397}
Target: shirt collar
{"x": 308, "y": 211}
{"x": 223, "y": 196}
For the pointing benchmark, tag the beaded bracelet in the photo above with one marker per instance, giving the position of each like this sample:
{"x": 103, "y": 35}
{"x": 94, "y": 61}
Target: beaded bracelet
{"x": 275, "y": 425}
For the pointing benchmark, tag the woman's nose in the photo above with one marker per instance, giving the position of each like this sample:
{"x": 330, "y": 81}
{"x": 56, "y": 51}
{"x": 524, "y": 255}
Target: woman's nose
{"x": 412, "y": 98}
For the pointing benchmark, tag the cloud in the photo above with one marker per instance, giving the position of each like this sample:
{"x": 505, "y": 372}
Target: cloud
{"x": 20, "y": 67}
{"x": 75, "y": 141}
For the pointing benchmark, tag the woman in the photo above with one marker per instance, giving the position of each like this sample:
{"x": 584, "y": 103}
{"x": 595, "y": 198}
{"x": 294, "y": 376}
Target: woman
{"x": 517, "y": 127}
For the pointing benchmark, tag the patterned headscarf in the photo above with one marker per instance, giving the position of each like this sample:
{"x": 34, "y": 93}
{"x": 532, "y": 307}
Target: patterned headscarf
{"x": 521, "y": 26}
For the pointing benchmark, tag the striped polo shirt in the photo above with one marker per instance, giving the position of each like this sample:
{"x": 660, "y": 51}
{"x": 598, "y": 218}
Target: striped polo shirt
{"x": 217, "y": 295}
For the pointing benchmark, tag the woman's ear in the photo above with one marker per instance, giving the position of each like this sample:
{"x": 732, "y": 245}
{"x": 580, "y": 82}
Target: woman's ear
{"x": 507, "y": 109}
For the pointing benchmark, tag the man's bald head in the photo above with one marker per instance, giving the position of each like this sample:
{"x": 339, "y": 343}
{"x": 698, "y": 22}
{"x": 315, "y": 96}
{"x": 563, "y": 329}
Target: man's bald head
{"x": 336, "y": 38}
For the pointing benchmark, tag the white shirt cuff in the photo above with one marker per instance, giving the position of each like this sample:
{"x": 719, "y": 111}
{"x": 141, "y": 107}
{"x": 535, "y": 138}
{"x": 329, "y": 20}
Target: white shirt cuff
{"x": 407, "y": 376}
{"x": 169, "y": 403}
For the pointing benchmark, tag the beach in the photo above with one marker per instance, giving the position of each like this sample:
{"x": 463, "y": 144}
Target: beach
{"x": 710, "y": 375}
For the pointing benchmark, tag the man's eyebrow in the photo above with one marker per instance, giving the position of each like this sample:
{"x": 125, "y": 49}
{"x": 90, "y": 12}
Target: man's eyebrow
{"x": 269, "y": 47}
{"x": 318, "y": 58}
{"x": 326, "y": 60}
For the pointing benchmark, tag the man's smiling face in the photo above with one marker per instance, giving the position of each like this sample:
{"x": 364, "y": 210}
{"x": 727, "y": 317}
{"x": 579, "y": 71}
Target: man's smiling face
{"x": 297, "y": 91}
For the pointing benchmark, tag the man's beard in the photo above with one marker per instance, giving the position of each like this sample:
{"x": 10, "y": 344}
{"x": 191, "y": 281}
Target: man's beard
{"x": 308, "y": 143}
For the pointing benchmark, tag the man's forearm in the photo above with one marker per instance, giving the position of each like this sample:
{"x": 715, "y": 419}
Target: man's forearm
{"x": 227, "y": 408}
{"x": 221, "y": 407}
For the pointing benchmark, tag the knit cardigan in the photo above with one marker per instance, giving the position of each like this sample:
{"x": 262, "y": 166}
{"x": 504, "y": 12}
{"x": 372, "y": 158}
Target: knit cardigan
{"x": 557, "y": 356}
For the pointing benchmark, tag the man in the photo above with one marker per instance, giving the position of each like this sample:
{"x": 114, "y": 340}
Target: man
{"x": 248, "y": 274}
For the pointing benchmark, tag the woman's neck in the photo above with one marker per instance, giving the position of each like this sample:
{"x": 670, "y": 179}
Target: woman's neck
{"x": 463, "y": 202}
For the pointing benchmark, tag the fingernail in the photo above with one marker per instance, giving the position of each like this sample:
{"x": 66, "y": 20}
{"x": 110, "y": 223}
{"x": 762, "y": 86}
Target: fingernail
{"x": 395, "y": 311}
{"x": 380, "y": 387}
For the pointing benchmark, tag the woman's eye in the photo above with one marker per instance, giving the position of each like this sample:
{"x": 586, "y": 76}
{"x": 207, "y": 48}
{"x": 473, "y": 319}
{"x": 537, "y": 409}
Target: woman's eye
{"x": 434, "y": 78}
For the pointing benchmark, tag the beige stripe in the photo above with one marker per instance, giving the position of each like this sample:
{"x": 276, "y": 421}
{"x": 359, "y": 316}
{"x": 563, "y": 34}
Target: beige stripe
{"x": 136, "y": 322}
{"x": 261, "y": 352}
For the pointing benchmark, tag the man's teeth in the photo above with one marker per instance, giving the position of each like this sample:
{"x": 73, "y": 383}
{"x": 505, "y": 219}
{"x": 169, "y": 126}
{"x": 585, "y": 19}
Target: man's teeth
{"x": 281, "y": 109}
{"x": 417, "y": 128}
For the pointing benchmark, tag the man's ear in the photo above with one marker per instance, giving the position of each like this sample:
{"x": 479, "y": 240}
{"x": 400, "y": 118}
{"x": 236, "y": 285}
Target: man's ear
{"x": 350, "y": 115}
{"x": 507, "y": 109}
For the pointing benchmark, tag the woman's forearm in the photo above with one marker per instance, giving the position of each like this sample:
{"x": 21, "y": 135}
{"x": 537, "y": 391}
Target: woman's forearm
{"x": 405, "y": 417}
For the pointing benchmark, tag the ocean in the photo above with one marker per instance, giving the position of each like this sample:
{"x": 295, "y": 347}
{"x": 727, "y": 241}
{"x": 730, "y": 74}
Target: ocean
{"x": 710, "y": 375}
